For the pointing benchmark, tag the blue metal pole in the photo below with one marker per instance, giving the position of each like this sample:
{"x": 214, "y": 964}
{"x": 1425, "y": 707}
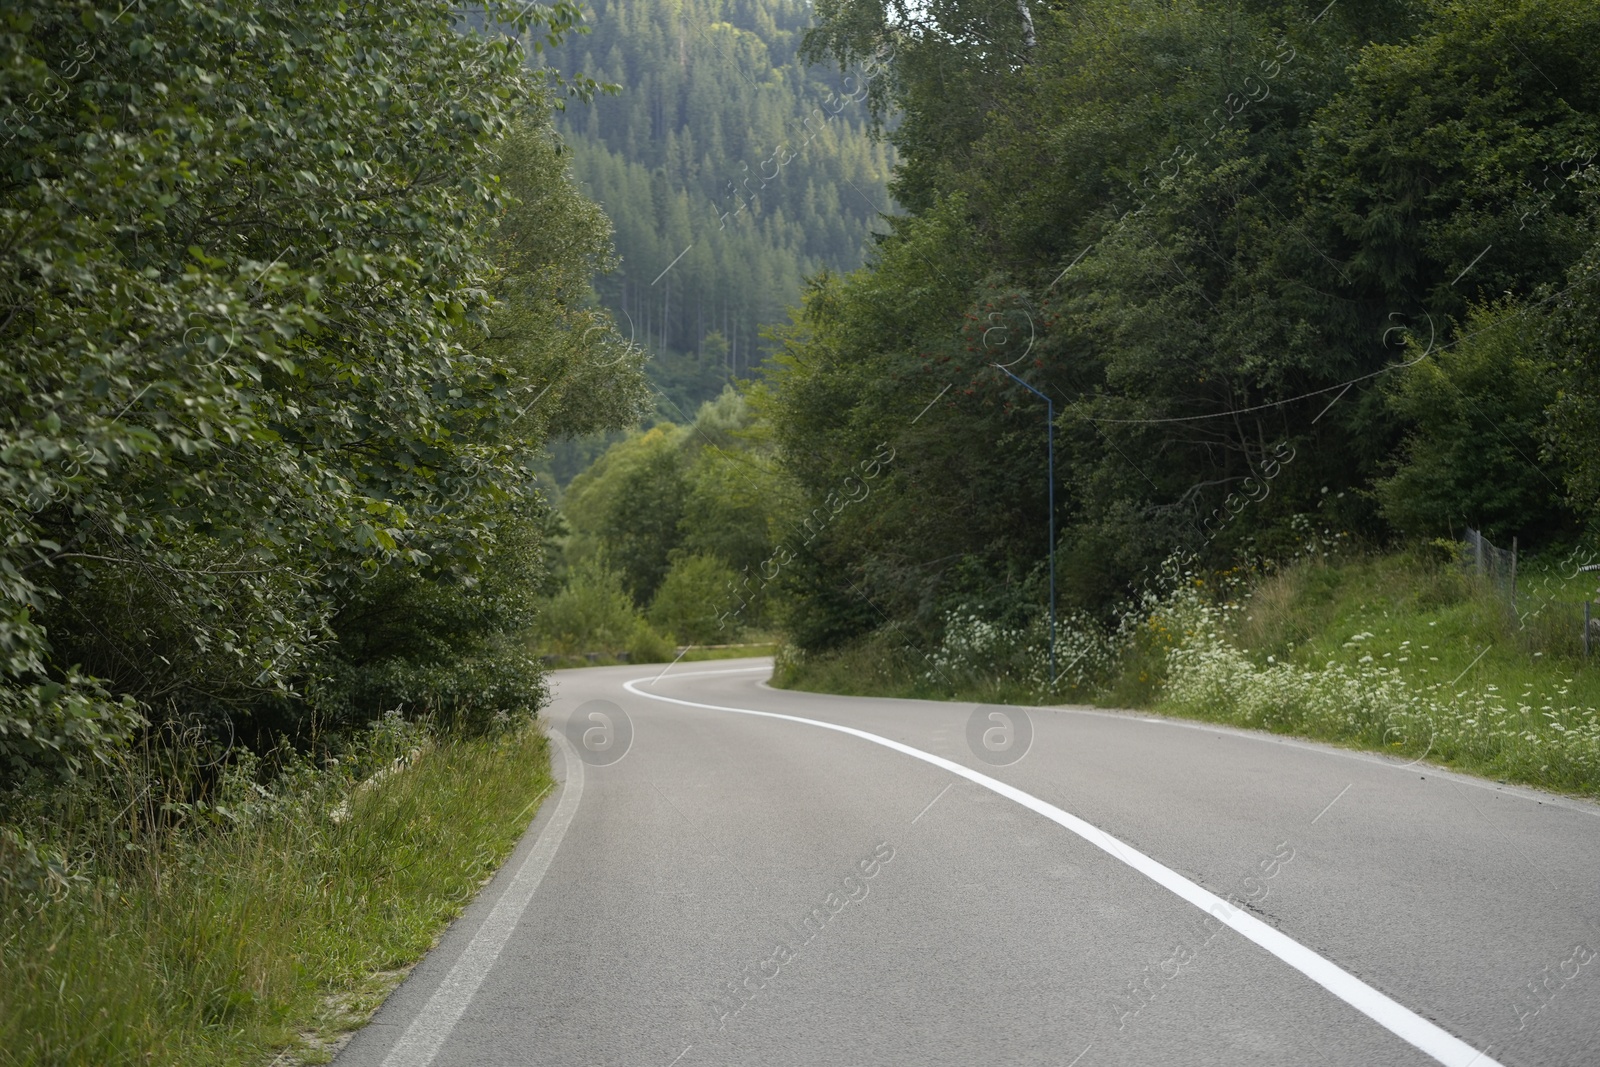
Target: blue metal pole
{"x": 1050, "y": 438}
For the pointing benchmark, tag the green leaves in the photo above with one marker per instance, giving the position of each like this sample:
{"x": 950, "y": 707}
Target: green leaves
{"x": 1473, "y": 457}
{"x": 1221, "y": 230}
{"x": 243, "y": 320}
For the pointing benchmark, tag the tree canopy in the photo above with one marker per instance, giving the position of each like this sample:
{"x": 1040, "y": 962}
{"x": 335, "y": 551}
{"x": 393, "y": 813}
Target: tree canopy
{"x": 1269, "y": 262}
{"x": 292, "y": 295}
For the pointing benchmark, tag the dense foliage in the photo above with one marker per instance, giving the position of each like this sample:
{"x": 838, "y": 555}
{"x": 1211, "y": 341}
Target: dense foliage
{"x": 672, "y": 521}
{"x": 291, "y": 295}
{"x": 1268, "y": 261}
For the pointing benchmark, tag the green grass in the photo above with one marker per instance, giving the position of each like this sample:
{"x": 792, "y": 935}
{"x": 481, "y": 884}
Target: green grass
{"x": 232, "y": 945}
{"x": 1408, "y": 655}
{"x": 1433, "y": 622}
{"x": 694, "y": 655}
{"x": 763, "y": 648}
{"x": 876, "y": 668}
{"x": 1404, "y": 653}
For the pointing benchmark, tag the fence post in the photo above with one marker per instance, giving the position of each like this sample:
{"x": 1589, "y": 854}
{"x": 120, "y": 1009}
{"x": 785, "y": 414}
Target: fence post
{"x": 1513, "y": 575}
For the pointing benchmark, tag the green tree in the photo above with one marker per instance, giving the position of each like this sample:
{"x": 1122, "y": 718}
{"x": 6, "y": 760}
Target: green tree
{"x": 689, "y": 600}
{"x": 1209, "y": 235}
{"x": 1473, "y": 456}
{"x": 247, "y": 299}
{"x": 1572, "y": 324}
{"x": 451, "y": 641}
{"x": 592, "y": 612}
{"x": 625, "y": 509}
{"x": 735, "y": 494}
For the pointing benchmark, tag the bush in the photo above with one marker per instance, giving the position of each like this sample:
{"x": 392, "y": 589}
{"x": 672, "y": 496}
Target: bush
{"x": 594, "y": 613}
{"x": 648, "y": 646}
{"x": 1477, "y": 412}
{"x": 690, "y": 599}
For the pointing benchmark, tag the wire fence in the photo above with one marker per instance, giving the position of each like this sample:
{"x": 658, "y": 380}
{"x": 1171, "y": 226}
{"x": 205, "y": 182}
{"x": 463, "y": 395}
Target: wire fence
{"x": 1496, "y": 566}
{"x": 1560, "y": 626}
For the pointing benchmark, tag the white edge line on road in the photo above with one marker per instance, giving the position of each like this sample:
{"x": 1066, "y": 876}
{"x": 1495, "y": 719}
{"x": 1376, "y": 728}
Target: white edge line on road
{"x": 427, "y": 1032}
{"x": 1558, "y": 800}
{"x": 697, "y": 674}
{"x": 1386, "y": 1012}
{"x": 1528, "y": 793}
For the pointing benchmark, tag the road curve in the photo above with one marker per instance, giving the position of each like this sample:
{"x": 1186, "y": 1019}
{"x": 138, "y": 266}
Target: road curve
{"x": 732, "y": 874}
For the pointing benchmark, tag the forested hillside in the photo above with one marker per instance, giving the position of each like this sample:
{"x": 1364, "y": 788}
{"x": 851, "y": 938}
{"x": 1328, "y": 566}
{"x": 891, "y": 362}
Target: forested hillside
{"x": 1278, "y": 266}
{"x": 731, "y": 170}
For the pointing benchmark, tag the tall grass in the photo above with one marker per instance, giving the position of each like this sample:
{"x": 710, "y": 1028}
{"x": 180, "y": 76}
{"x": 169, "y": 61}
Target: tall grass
{"x": 283, "y": 912}
{"x": 1405, "y": 653}
{"x": 880, "y": 666}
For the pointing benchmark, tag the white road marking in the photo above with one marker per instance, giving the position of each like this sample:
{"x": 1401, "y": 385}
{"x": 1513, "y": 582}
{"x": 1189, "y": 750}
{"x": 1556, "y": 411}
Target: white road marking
{"x": 421, "y": 1042}
{"x": 1385, "y": 1011}
{"x": 725, "y": 670}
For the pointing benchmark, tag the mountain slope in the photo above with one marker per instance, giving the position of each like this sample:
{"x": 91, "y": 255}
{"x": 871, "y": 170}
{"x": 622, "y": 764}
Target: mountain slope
{"x": 730, "y": 169}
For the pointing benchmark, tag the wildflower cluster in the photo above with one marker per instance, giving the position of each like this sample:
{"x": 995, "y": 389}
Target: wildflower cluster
{"x": 973, "y": 647}
{"x": 1545, "y": 737}
{"x": 1089, "y": 653}
{"x": 1178, "y": 636}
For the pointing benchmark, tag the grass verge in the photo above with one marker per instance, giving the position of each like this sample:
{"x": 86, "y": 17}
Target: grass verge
{"x": 1405, "y": 653}
{"x": 693, "y": 655}
{"x": 266, "y": 935}
{"x": 879, "y": 669}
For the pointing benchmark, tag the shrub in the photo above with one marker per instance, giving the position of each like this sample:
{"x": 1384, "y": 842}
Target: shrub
{"x": 591, "y": 613}
{"x": 691, "y": 597}
{"x": 648, "y": 646}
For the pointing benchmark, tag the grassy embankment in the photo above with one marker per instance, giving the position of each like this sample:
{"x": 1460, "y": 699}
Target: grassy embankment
{"x": 281, "y": 924}
{"x": 1397, "y": 653}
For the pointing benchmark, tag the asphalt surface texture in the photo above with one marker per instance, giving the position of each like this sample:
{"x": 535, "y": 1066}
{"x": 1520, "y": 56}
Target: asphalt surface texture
{"x": 730, "y": 874}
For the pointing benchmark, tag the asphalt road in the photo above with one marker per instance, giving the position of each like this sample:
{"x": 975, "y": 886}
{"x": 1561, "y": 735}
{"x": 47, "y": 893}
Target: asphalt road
{"x": 850, "y": 881}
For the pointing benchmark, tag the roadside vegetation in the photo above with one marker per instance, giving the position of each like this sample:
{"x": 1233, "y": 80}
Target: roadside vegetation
{"x": 1408, "y": 653}
{"x": 683, "y": 654}
{"x": 267, "y": 920}
{"x": 1403, "y": 654}
{"x": 662, "y": 542}
{"x": 293, "y": 297}
{"x": 1312, "y": 292}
